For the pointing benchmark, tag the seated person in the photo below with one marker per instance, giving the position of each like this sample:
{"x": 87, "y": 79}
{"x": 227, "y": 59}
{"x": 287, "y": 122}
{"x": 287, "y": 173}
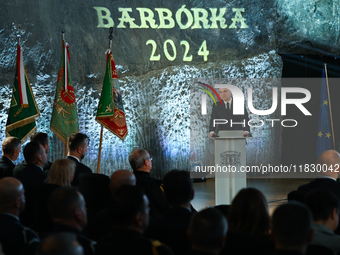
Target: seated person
{"x": 248, "y": 224}
{"x": 62, "y": 172}
{"x": 129, "y": 209}
{"x": 292, "y": 228}
{"x": 324, "y": 206}
{"x": 15, "y": 238}
{"x": 171, "y": 228}
{"x": 11, "y": 148}
{"x": 67, "y": 209}
{"x": 207, "y": 232}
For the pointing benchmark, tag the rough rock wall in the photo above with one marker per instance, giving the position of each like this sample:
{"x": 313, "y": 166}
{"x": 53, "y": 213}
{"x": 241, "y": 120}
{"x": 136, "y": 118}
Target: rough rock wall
{"x": 241, "y": 37}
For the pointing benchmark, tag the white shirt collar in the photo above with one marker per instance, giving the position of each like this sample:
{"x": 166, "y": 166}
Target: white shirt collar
{"x": 74, "y": 157}
{"x": 328, "y": 177}
{"x": 230, "y": 101}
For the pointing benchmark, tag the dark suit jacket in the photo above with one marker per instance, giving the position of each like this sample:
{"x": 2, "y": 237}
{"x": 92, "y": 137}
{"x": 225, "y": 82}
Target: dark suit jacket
{"x": 220, "y": 112}
{"x": 195, "y": 252}
{"x": 15, "y": 238}
{"x": 152, "y": 189}
{"x": 87, "y": 244}
{"x": 36, "y": 214}
{"x": 171, "y": 229}
{"x": 326, "y": 183}
{"x": 245, "y": 244}
{"x": 80, "y": 168}
{"x": 30, "y": 175}
{"x": 23, "y": 164}
{"x": 129, "y": 242}
{"x": 6, "y": 167}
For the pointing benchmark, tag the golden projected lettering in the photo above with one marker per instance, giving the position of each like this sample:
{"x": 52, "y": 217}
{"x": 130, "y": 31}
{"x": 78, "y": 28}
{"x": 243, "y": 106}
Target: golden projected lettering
{"x": 104, "y": 14}
{"x": 194, "y": 18}
{"x": 172, "y": 54}
{"x": 183, "y": 18}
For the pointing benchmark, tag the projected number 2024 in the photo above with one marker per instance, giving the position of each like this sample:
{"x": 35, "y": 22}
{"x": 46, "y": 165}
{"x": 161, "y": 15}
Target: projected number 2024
{"x": 203, "y": 51}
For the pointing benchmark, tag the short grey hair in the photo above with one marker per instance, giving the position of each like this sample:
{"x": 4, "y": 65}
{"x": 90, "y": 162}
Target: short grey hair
{"x": 137, "y": 158}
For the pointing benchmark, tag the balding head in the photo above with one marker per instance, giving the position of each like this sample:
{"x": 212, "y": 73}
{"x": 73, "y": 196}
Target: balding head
{"x": 60, "y": 244}
{"x": 11, "y": 147}
{"x": 140, "y": 160}
{"x": 331, "y": 158}
{"x": 12, "y": 197}
{"x": 120, "y": 178}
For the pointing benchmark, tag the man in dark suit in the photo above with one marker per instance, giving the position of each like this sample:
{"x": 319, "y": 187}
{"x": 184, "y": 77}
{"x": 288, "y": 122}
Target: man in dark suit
{"x": 141, "y": 164}
{"x": 324, "y": 206}
{"x": 171, "y": 228}
{"x": 11, "y": 148}
{"x": 77, "y": 147}
{"x": 36, "y": 158}
{"x": 207, "y": 232}
{"x": 68, "y": 210}
{"x": 129, "y": 209}
{"x": 15, "y": 238}
{"x": 328, "y": 179}
{"x": 225, "y": 112}
{"x": 292, "y": 228}
{"x": 41, "y": 138}
{"x": 60, "y": 244}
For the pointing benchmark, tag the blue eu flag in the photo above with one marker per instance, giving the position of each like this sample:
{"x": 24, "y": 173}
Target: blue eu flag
{"x": 324, "y": 130}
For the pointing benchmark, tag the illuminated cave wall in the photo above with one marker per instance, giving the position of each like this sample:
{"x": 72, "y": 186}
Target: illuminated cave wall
{"x": 265, "y": 145}
{"x": 312, "y": 25}
{"x": 155, "y": 92}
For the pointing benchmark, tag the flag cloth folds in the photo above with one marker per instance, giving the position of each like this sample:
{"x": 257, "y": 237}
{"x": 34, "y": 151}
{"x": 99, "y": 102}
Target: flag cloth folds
{"x": 110, "y": 111}
{"x": 64, "y": 120}
{"x": 324, "y": 141}
{"x": 23, "y": 110}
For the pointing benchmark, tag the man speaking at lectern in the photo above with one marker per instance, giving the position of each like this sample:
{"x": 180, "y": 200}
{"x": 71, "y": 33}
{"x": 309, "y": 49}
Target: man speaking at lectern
{"x": 225, "y": 112}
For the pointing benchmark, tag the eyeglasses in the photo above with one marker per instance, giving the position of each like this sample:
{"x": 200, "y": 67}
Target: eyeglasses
{"x": 150, "y": 158}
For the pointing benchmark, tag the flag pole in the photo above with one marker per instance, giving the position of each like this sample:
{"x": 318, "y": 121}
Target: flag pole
{"x": 100, "y": 148}
{"x": 330, "y": 108}
{"x": 63, "y": 41}
{"x": 101, "y": 131}
{"x": 19, "y": 33}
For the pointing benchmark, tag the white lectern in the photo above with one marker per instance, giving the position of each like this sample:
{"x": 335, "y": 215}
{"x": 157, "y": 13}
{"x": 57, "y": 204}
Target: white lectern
{"x": 230, "y": 155}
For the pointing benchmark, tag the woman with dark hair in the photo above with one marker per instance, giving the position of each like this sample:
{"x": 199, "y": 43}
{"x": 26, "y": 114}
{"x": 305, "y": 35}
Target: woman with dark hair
{"x": 248, "y": 221}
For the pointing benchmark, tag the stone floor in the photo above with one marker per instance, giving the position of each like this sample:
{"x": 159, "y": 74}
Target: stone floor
{"x": 275, "y": 190}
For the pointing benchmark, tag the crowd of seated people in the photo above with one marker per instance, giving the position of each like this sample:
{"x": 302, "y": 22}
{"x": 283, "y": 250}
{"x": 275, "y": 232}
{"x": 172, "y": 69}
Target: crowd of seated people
{"x": 65, "y": 209}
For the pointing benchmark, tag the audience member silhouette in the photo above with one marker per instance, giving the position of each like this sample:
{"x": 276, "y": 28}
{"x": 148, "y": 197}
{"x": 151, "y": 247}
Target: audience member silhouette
{"x": 36, "y": 158}
{"x": 41, "y": 138}
{"x": 207, "y": 232}
{"x": 15, "y": 238}
{"x": 141, "y": 163}
{"x": 11, "y": 147}
{"x": 129, "y": 209}
{"x": 60, "y": 244}
{"x": 67, "y": 209}
{"x": 77, "y": 146}
{"x": 248, "y": 224}
{"x": 292, "y": 228}
{"x": 328, "y": 179}
{"x": 121, "y": 177}
{"x": 61, "y": 172}
{"x": 102, "y": 223}
{"x": 324, "y": 206}
{"x": 171, "y": 228}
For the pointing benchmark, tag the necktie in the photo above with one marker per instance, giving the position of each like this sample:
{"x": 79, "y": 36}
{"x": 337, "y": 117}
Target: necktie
{"x": 228, "y": 110}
